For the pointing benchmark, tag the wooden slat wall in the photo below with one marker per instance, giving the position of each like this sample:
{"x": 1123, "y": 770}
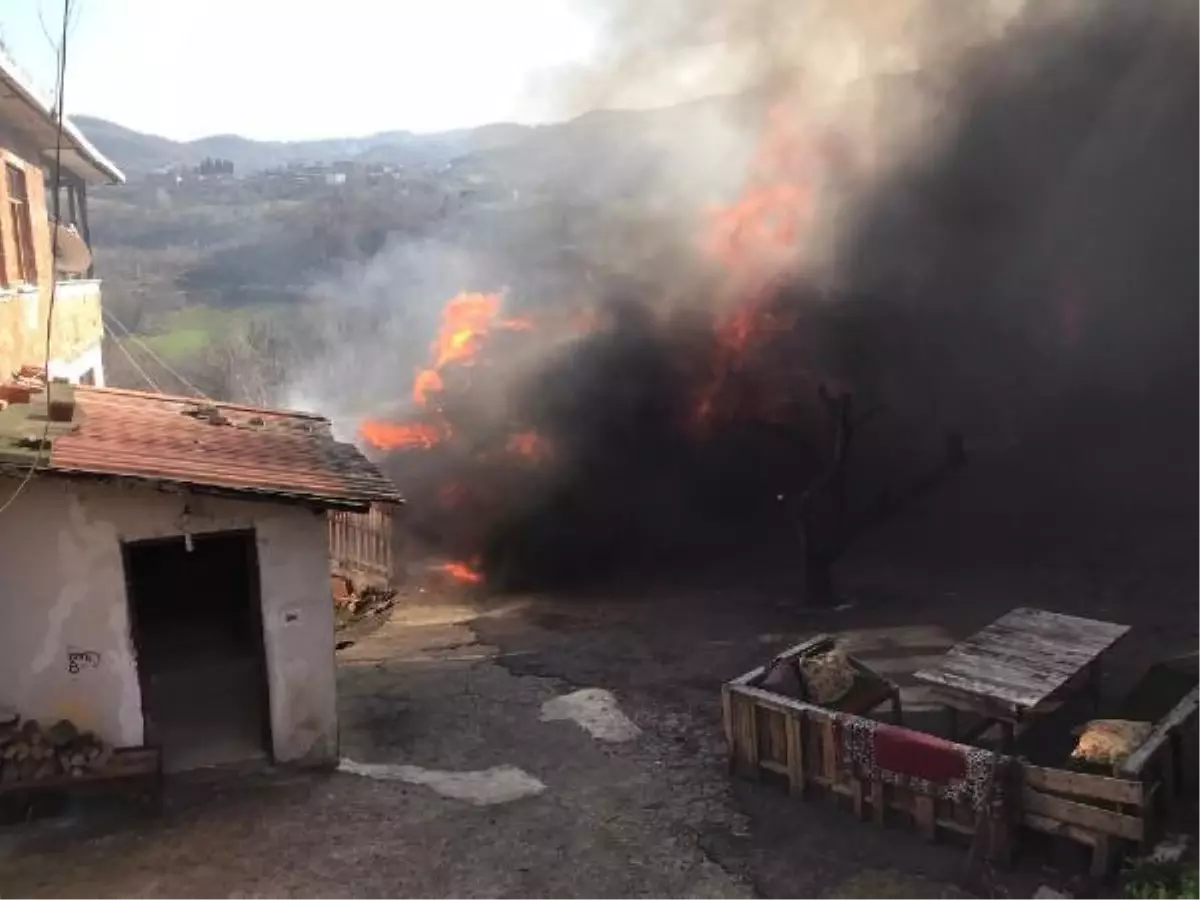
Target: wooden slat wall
{"x": 360, "y": 545}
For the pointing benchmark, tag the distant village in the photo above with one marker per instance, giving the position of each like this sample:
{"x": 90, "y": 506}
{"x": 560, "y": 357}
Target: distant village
{"x": 298, "y": 179}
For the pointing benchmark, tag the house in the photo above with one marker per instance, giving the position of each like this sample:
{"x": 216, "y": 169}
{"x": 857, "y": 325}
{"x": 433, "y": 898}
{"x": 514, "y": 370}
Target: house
{"x": 165, "y": 573}
{"x": 32, "y": 282}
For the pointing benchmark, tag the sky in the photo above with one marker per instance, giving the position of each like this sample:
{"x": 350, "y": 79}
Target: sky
{"x": 288, "y": 70}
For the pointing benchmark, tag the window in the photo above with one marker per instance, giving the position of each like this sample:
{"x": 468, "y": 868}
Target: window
{"x": 22, "y": 225}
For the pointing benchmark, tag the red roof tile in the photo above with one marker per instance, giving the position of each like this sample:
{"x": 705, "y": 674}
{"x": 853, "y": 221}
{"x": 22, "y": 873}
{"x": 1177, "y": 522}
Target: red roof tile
{"x": 234, "y": 448}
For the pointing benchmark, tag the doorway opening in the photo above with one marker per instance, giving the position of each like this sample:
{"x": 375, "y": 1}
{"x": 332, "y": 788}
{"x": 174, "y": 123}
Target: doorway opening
{"x": 197, "y": 629}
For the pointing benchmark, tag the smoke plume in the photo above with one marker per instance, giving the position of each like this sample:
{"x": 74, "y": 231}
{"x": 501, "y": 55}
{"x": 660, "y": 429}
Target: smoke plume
{"x": 978, "y": 217}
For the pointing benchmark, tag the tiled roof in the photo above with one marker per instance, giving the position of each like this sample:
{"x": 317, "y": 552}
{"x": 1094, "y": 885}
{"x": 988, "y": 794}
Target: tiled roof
{"x": 166, "y": 439}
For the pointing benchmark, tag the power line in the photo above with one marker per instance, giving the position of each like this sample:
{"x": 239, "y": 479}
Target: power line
{"x": 113, "y": 320}
{"x": 60, "y": 89}
{"x": 133, "y": 362}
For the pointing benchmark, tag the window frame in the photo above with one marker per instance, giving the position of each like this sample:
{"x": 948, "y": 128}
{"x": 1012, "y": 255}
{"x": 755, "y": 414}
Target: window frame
{"x": 24, "y": 268}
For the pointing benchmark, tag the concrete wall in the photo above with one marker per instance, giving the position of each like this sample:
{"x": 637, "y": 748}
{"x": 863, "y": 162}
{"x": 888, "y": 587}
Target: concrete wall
{"x": 63, "y": 607}
{"x": 78, "y": 327}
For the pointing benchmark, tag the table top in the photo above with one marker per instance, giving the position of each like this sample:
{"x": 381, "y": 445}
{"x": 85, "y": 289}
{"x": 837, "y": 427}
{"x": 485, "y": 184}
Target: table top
{"x": 1023, "y": 657}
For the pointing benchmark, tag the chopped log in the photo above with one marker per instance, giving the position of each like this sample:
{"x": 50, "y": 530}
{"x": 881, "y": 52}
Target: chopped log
{"x": 101, "y": 759}
{"x": 62, "y": 733}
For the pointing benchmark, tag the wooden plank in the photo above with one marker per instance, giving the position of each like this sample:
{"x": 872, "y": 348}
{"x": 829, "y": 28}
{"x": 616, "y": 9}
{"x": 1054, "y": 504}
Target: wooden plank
{"x": 803, "y": 647}
{"x": 1023, "y": 657}
{"x": 775, "y": 732}
{"x": 771, "y": 766}
{"x": 1054, "y": 827}
{"x": 1097, "y": 787}
{"x": 1178, "y": 715}
{"x": 1102, "y": 821}
{"x": 857, "y": 797}
{"x": 828, "y": 750}
{"x": 1101, "y": 857}
{"x": 744, "y": 759}
{"x": 795, "y": 754}
{"x": 749, "y": 737}
{"x": 924, "y": 813}
{"x": 878, "y": 802}
{"x": 778, "y": 701}
{"x": 727, "y": 717}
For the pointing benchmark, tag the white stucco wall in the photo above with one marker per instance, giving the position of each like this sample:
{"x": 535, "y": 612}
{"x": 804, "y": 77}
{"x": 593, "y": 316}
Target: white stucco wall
{"x": 62, "y": 591}
{"x": 90, "y": 360}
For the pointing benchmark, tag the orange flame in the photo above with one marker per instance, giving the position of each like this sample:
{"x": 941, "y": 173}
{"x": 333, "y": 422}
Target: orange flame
{"x": 387, "y": 436}
{"x": 530, "y": 445}
{"x": 428, "y": 382}
{"x": 466, "y": 321}
{"x": 753, "y": 238}
{"x": 466, "y": 573}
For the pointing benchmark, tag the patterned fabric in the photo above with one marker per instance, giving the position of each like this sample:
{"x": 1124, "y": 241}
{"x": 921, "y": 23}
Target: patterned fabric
{"x": 921, "y": 762}
{"x": 828, "y": 676}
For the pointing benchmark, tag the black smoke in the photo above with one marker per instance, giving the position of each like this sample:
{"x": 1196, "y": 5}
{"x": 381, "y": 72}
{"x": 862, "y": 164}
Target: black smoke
{"x": 1029, "y": 269}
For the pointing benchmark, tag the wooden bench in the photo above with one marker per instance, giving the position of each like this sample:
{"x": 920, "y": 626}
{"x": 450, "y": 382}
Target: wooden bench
{"x": 797, "y": 741}
{"x": 1124, "y": 806}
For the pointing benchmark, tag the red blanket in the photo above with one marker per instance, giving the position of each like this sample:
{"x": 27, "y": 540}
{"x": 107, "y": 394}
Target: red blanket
{"x": 918, "y": 755}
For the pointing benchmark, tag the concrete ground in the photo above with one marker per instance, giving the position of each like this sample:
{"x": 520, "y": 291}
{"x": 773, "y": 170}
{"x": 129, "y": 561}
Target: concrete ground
{"x": 446, "y": 686}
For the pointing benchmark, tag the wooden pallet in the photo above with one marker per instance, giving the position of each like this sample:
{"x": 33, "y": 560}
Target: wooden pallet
{"x": 774, "y": 737}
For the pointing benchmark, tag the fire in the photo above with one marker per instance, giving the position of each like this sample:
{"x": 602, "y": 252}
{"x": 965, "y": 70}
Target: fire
{"x": 462, "y": 572}
{"x": 388, "y": 436}
{"x": 428, "y": 382}
{"x": 754, "y": 239}
{"x": 529, "y": 445}
{"x": 467, "y": 320}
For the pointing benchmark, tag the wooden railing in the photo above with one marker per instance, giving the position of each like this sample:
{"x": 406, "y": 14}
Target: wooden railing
{"x": 360, "y": 545}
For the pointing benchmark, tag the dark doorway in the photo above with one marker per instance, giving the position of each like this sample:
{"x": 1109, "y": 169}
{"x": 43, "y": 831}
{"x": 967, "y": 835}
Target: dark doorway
{"x": 197, "y": 630}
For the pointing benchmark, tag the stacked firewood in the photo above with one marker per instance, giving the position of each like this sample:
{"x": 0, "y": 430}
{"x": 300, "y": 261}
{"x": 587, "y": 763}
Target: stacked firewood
{"x": 29, "y": 752}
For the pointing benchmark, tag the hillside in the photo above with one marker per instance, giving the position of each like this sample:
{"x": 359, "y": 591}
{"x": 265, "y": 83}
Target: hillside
{"x": 546, "y": 210}
{"x": 138, "y": 153}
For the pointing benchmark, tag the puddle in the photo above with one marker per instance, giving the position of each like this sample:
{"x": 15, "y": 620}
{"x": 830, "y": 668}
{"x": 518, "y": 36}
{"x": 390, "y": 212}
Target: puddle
{"x": 595, "y": 710}
{"x": 499, "y": 784}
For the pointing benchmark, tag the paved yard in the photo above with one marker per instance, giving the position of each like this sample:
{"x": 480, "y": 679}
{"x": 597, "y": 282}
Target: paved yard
{"x": 474, "y": 786}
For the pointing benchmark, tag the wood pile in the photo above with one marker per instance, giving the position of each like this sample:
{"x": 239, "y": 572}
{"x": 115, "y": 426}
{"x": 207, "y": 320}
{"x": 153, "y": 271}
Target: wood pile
{"x": 29, "y": 752}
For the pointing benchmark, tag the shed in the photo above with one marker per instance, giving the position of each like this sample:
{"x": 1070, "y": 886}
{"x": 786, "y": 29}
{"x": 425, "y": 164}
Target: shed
{"x": 164, "y": 575}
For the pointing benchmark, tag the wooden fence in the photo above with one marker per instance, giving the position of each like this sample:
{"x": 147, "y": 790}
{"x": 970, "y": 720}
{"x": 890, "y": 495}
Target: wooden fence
{"x": 360, "y": 545}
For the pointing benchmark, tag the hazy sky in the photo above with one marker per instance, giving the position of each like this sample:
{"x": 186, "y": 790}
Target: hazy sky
{"x": 282, "y": 69}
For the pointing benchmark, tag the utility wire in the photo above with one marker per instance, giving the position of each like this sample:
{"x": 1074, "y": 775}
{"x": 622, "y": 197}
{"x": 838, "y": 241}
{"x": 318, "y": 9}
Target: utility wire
{"x": 60, "y": 89}
{"x": 113, "y": 320}
{"x": 133, "y": 362}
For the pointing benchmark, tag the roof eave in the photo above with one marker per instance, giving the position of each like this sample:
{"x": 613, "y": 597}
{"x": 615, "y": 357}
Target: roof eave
{"x": 93, "y": 158}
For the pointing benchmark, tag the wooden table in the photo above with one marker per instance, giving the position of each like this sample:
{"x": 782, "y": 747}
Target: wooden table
{"x": 1020, "y": 666}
